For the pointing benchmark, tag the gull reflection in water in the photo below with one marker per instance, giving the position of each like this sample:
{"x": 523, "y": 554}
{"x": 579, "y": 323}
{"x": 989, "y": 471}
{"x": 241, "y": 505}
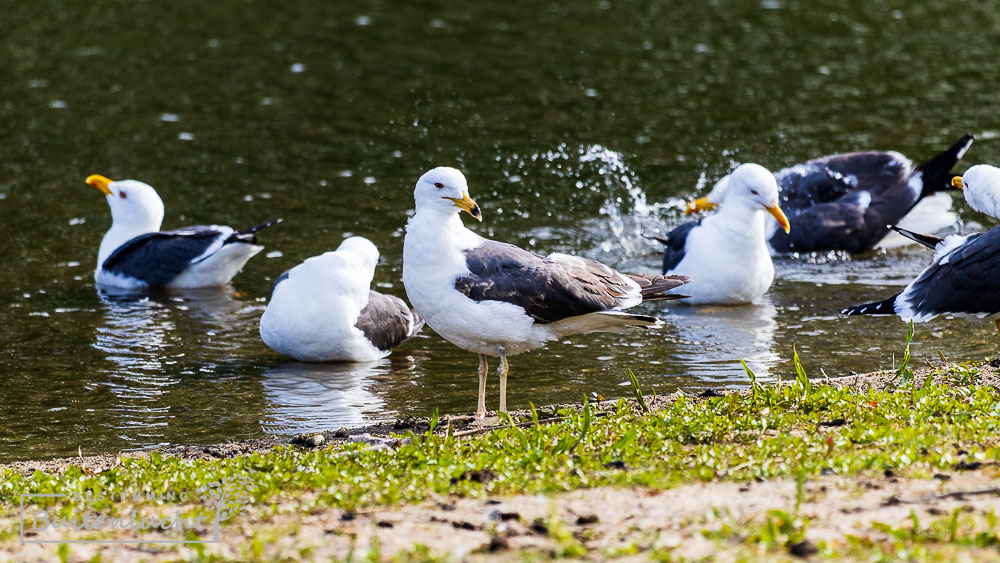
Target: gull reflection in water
{"x": 306, "y": 397}
{"x": 711, "y": 339}
{"x": 154, "y": 340}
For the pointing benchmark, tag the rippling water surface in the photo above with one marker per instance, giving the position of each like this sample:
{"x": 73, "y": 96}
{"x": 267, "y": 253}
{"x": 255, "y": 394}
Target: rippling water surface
{"x": 579, "y": 125}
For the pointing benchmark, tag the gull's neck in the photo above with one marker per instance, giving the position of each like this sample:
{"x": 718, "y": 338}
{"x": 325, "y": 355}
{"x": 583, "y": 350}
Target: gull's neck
{"x": 444, "y": 228}
{"x": 741, "y": 219}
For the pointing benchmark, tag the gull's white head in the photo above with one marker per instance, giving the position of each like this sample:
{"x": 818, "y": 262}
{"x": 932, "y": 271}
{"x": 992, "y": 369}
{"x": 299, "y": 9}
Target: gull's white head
{"x": 754, "y": 186}
{"x": 445, "y": 190}
{"x": 136, "y": 209}
{"x": 134, "y": 205}
{"x": 981, "y": 187}
{"x": 363, "y": 251}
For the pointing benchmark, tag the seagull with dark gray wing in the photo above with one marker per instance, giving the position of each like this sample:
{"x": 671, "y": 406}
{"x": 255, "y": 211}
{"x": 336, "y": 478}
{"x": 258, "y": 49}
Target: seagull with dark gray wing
{"x": 324, "y": 309}
{"x": 499, "y": 300}
{"x": 846, "y": 201}
{"x": 964, "y": 278}
{"x": 136, "y": 254}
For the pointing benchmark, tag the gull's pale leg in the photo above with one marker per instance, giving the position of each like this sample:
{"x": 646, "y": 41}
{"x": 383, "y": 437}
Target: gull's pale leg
{"x": 483, "y": 370}
{"x": 997, "y": 322}
{"x": 502, "y": 373}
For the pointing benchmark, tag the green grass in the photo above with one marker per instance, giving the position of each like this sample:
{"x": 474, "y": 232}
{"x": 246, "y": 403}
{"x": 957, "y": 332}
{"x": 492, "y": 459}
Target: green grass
{"x": 773, "y": 431}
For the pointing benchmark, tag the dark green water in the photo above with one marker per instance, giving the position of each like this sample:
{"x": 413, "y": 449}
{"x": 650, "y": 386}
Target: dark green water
{"x": 578, "y": 124}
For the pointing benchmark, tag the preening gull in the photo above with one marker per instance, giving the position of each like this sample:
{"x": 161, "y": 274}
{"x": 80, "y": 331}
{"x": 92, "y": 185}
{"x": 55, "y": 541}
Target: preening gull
{"x": 964, "y": 277}
{"x": 726, "y": 254}
{"x": 324, "y": 310}
{"x": 846, "y": 201}
{"x": 496, "y": 299}
{"x": 135, "y": 254}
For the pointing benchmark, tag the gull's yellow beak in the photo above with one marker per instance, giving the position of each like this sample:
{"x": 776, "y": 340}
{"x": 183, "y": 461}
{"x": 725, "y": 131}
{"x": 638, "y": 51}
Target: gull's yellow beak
{"x": 780, "y": 216}
{"x": 699, "y": 205}
{"x": 956, "y": 182}
{"x": 468, "y": 205}
{"x": 100, "y": 183}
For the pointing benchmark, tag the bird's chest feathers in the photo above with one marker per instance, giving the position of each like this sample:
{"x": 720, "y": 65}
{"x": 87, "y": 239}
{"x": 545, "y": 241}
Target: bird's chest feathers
{"x": 433, "y": 258}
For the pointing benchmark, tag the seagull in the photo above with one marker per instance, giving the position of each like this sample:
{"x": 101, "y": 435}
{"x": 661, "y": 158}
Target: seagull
{"x": 496, "y": 299}
{"x": 324, "y": 310}
{"x": 846, "y": 201}
{"x": 964, "y": 277}
{"x": 136, "y": 254}
{"x": 726, "y": 254}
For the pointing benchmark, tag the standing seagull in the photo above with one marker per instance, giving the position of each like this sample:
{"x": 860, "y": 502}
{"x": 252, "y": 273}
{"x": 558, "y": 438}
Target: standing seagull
{"x": 726, "y": 254}
{"x": 845, "y": 201}
{"x": 964, "y": 277}
{"x": 323, "y": 310}
{"x": 496, "y": 299}
{"x": 135, "y": 254}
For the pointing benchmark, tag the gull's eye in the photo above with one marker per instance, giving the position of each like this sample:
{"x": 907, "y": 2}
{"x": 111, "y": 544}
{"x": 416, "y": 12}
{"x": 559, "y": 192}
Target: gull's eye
{"x": 123, "y": 195}
{"x": 439, "y": 185}
{"x": 754, "y": 192}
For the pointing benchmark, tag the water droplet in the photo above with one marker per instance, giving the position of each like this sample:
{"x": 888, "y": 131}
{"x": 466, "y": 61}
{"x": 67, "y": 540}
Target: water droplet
{"x": 590, "y": 93}
{"x": 274, "y": 254}
{"x": 77, "y": 221}
{"x": 185, "y": 136}
{"x": 170, "y": 117}
{"x": 297, "y": 68}
{"x": 369, "y": 180}
{"x": 437, "y": 23}
{"x": 362, "y": 20}
{"x": 57, "y": 104}
{"x": 346, "y": 173}
{"x": 38, "y": 83}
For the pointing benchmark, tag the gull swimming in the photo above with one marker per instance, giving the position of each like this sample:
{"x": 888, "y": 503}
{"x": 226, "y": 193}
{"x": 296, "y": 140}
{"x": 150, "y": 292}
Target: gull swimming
{"x": 845, "y": 201}
{"x": 324, "y": 309}
{"x": 964, "y": 276}
{"x": 136, "y": 254}
{"x": 726, "y": 254}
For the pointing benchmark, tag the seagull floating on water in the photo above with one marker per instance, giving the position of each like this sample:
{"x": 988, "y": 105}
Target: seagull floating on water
{"x": 135, "y": 254}
{"x": 964, "y": 278}
{"x": 726, "y": 254}
{"x": 324, "y": 310}
{"x": 496, "y": 299}
{"x": 846, "y": 201}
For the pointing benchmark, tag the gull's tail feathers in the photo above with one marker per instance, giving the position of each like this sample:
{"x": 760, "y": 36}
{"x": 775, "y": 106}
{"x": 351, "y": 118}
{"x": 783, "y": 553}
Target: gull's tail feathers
{"x": 937, "y": 170}
{"x": 654, "y": 287}
{"x": 926, "y": 240}
{"x": 248, "y": 235}
{"x": 886, "y": 307}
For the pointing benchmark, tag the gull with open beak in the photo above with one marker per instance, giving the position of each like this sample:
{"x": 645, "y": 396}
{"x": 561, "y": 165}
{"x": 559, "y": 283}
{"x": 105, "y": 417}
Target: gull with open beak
{"x": 136, "y": 254}
{"x": 726, "y": 254}
{"x": 498, "y": 300}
